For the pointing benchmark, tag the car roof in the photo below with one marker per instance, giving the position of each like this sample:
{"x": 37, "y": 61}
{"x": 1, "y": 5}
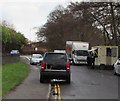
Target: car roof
{"x": 36, "y": 55}
{"x": 14, "y": 50}
{"x": 55, "y": 53}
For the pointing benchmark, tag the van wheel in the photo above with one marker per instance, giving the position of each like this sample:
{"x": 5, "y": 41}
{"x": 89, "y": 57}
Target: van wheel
{"x": 102, "y": 66}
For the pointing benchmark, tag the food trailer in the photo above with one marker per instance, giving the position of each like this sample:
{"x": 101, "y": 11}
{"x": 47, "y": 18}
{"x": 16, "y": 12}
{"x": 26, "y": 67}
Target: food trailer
{"x": 104, "y": 55}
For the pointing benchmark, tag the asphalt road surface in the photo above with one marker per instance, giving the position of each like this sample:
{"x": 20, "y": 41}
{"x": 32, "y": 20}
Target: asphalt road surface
{"x": 91, "y": 84}
{"x": 86, "y": 84}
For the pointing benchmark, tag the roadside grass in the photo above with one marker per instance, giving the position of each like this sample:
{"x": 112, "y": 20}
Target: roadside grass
{"x": 12, "y": 75}
{"x": 0, "y": 81}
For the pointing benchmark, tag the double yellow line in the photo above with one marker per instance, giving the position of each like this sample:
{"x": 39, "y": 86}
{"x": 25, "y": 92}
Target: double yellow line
{"x": 57, "y": 95}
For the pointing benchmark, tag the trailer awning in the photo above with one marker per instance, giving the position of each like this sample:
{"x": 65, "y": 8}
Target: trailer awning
{"x": 93, "y": 49}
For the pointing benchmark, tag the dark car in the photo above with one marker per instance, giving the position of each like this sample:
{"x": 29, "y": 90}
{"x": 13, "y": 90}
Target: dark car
{"x": 55, "y": 66}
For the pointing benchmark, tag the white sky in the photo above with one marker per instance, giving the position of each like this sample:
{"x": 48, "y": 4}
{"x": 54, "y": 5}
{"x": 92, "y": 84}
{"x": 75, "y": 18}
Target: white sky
{"x": 27, "y": 14}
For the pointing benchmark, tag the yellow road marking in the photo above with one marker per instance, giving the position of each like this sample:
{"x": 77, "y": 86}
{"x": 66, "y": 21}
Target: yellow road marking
{"x": 57, "y": 91}
{"x": 59, "y": 96}
{"x": 55, "y": 88}
{"x": 55, "y": 98}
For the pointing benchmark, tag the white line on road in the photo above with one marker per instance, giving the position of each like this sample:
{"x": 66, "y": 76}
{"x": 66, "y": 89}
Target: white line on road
{"x": 49, "y": 91}
{"x": 28, "y": 58}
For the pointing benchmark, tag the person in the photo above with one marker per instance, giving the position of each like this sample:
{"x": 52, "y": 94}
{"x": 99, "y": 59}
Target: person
{"x": 89, "y": 60}
{"x": 93, "y": 61}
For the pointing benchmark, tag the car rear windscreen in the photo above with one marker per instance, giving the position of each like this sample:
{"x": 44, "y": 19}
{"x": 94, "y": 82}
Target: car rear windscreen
{"x": 57, "y": 58}
{"x": 37, "y": 56}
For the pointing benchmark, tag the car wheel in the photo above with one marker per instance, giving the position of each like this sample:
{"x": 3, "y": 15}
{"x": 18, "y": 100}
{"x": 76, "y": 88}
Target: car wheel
{"x": 115, "y": 72}
{"x": 31, "y": 63}
{"x": 41, "y": 79}
{"x": 68, "y": 80}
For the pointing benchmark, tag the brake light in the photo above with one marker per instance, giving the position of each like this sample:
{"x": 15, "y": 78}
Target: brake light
{"x": 43, "y": 65}
{"x": 68, "y": 65}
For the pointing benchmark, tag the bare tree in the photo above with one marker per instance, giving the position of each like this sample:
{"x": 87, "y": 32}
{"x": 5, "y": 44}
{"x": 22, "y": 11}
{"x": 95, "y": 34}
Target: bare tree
{"x": 87, "y": 21}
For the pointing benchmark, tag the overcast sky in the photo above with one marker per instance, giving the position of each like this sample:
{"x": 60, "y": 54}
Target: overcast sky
{"x": 27, "y": 14}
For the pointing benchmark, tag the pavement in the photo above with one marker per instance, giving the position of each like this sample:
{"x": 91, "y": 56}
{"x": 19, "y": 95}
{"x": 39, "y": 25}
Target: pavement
{"x": 30, "y": 88}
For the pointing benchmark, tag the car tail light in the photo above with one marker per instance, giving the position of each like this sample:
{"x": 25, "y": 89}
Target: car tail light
{"x": 43, "y": 65}
{"x": 68, "y": 65}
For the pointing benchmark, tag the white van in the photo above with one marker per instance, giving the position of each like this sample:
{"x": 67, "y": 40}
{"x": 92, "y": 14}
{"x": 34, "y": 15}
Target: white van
{"x": 80, "y": 52}
{"x": 59, "y": 51}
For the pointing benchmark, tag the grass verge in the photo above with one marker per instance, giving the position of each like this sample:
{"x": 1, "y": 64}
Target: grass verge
{"x": 0, "y": 82}
{"x": 12, "y": 75}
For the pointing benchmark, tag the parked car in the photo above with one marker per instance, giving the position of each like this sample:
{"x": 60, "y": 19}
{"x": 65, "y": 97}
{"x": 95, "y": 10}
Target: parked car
{"x": 117, "y": 67}
{"x": 55, "y": 66}
{"x": 36, "y": 59}
{"x": 15, "y": 52}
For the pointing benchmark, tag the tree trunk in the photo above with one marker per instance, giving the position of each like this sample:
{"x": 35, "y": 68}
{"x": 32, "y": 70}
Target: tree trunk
{"x": 113, "y": 23}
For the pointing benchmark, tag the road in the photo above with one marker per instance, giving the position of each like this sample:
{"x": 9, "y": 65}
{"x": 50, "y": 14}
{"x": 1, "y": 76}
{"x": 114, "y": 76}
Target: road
{"x": 91, "y": 84}
{"x": 85, "y": 84}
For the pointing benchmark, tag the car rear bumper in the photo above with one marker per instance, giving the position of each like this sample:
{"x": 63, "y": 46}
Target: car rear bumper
{"x": 55, "y": 74}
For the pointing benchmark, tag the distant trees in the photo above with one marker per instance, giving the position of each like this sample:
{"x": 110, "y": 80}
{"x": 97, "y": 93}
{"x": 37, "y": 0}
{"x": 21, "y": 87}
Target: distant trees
{"x": 95, "y": 22}
{"x": 11, "y": 39}
{"x": 106, "y": 17}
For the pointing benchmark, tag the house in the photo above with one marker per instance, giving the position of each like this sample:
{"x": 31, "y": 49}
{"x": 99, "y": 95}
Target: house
{"x": 35, "y": 47}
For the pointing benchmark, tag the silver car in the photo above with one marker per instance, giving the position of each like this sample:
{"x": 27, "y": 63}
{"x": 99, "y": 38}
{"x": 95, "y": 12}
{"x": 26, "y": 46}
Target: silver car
{"x": 117, "y": 67}
{"x": 36, "y": 59}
